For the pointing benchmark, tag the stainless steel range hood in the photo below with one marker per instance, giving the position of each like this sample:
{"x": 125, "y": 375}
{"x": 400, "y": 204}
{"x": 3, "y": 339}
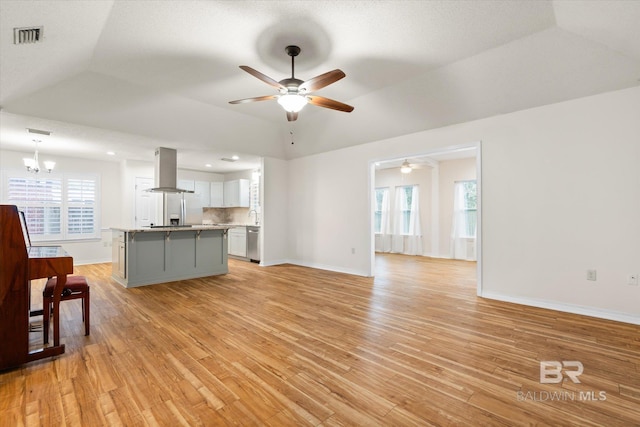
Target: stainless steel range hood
{"x": 166, "y": 172}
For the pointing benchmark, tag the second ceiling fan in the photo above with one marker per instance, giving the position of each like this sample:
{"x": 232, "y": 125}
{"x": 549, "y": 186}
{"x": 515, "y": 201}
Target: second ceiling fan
{"x": 294, "y": 93}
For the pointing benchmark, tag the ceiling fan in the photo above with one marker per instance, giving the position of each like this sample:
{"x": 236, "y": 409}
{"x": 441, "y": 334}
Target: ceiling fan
{"x": 294, "y": 93}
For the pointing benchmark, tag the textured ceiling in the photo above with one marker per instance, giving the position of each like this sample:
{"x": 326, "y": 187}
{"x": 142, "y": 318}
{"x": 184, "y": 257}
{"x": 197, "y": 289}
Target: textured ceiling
{"x": 129, "y": 76}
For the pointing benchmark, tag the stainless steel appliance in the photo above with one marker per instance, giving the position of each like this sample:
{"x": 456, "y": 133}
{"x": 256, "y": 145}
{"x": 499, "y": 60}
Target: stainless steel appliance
{"x": 253, "y": 243}
{"x": 165, "y": 180}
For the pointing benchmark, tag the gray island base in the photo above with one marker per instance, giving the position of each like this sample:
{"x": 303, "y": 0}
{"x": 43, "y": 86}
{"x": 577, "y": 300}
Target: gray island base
{"x": 148, "y": 256}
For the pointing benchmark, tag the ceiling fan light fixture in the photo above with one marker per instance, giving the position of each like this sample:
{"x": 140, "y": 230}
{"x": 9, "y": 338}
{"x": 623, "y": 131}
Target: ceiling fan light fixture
{"x": 292, "y": 103}
{"x": 406, "y": 167}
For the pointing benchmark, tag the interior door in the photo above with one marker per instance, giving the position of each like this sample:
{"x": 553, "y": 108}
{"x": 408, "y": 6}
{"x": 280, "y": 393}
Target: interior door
{"x": 145, "y": 203}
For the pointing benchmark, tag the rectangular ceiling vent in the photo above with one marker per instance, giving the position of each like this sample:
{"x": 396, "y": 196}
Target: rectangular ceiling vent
{"x": 27, "y": 35}
{"x": 39, "y": 132}
{"x": 226, "y": 159}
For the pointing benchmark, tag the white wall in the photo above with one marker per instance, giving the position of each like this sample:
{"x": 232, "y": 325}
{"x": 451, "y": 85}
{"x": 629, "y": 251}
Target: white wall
{"x": 274, "y": 201}
{"x": 246, "y": 174}
{"x": 329, "y": 221}
{"x": 560, "y": 193}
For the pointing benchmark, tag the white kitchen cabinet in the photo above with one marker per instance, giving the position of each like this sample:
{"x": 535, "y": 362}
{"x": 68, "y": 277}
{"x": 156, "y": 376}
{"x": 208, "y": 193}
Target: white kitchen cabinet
{"x": 186, "y": 184}
{"x": 203, "y": 192}
{"x": 119, "y": 255}
{"x": 236, "y": 193}
{"x": 217, "y": 194}
{"x": 237, "y": 242}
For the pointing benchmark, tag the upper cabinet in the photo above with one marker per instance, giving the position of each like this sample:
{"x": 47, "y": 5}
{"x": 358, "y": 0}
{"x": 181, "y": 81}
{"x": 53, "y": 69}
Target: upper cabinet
{"x": 200, "y": 189}
{"x": 217, "y": 194}
{"x": 202, "y": 192}
{"x": 186, "y": 184}
{"x": 236, "y": 193}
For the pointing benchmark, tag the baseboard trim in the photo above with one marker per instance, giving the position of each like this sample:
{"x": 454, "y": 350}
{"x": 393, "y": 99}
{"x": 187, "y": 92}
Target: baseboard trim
{"x": 92, "y": 261}
{"x": 567, "y": 308}
{"x": 355, "y": 272}
{"x": 274, "y": 262}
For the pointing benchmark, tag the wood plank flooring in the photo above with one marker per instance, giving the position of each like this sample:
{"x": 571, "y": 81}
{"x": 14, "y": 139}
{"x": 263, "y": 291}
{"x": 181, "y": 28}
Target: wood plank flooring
{"x": 289, "y": 345}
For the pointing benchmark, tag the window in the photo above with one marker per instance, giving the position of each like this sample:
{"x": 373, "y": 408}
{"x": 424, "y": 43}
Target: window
{"x": 81, "y": 207}
{"x": 254, "y": 191}
{"x": 381, "y": 208}
{"x": 406, "y": 198}
{"x": 466, "y": 192}
{"x": 57, "y": 207}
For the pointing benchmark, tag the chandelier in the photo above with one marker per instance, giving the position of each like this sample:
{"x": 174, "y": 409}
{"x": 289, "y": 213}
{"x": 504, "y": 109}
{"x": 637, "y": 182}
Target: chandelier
{"x": 33, "y": 164}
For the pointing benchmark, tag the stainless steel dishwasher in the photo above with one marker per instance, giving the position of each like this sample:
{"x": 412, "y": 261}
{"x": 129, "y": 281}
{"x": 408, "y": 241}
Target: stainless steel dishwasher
{"x": 253, "y": 243}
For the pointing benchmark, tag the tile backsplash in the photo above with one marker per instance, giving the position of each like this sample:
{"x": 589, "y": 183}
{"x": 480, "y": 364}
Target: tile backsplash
{"x": 227, "y": 216}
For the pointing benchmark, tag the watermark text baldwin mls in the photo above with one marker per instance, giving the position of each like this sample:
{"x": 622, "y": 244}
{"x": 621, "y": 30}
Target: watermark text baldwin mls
{"x": 549, "y": 396}
{"x": 553, "y": 372}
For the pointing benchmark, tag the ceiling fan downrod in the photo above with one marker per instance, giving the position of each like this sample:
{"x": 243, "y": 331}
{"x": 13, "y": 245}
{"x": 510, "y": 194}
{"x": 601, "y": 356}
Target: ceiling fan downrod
{"x": 292, "y": 51}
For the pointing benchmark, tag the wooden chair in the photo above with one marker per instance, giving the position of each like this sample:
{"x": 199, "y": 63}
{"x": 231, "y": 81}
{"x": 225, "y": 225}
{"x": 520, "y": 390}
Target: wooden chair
{"x": 75, "y": 288}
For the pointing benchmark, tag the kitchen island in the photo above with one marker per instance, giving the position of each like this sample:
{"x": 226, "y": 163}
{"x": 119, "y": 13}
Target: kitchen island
{"x": 146, "y": 256}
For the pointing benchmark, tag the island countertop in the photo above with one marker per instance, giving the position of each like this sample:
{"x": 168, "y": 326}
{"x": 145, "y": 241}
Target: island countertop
{"x": 175, "y": 228}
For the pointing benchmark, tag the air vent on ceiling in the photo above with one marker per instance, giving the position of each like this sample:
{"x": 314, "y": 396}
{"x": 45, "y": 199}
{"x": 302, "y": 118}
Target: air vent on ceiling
{"x": 39, "y": 132}
{"x": 27, "y": 35}
{"x": 226, "y": 159}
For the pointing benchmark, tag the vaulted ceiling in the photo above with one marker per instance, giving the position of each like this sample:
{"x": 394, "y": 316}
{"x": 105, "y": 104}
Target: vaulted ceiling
{"x": 128, "y": 76}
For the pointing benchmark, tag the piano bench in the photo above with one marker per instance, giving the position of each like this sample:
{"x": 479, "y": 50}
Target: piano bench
{"x": 75, "y": 288}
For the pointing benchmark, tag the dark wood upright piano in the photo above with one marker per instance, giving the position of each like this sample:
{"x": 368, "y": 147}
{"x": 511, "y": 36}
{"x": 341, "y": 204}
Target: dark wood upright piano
{"x": 19, "y": 263}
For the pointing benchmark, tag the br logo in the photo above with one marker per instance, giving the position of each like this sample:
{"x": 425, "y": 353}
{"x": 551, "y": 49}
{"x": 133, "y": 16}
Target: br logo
{"x": 551, "y": 371}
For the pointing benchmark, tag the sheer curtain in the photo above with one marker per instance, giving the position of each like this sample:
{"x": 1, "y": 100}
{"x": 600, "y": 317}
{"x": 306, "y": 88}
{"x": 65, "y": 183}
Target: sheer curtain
{"x": 463, "y": 227}
{"x": 407, "y": 235}
{"x": 383, "y": 242}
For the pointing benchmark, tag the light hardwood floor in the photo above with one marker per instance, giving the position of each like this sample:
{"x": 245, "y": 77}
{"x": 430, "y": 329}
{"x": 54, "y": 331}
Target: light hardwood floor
{"x": 288, "y": 345}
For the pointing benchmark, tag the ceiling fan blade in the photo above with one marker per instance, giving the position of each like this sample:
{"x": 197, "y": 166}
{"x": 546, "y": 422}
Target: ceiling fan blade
{"x": 291, "y": 116}
{"x": 321, "y": 101}
{"x": 268, "y": 80}
{"x": 257, "y": 98}
{"x": 322, "y": 80}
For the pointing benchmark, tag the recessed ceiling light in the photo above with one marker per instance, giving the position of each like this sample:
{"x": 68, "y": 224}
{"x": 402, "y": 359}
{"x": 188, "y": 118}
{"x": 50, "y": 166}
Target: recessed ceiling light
{"x": 208, "y": 165}
{"x": 234, "y": 157}
{"x": 111, "y": 153}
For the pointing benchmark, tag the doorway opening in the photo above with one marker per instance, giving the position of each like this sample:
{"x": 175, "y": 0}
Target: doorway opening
{"x": 428, "y": 205}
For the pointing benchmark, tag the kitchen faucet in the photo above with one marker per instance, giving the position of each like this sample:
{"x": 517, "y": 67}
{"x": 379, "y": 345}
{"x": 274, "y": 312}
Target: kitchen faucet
{"x": 256, "y": 212}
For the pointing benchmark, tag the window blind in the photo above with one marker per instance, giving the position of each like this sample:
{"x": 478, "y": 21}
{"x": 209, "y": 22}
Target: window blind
{"x": 56, "y": 207}
{"x": 81, "y": 199}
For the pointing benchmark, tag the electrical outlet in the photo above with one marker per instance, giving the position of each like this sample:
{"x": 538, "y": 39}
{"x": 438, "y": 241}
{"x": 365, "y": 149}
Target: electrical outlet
{"x": 592, "y": 275}
{"x": 353, "y": 251}
{"x": 632, "y": 280}
{"x": 105, "y": 244}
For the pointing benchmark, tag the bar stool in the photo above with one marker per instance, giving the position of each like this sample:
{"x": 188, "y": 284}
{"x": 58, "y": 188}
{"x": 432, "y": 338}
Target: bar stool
{"x": 75, "y": 288}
